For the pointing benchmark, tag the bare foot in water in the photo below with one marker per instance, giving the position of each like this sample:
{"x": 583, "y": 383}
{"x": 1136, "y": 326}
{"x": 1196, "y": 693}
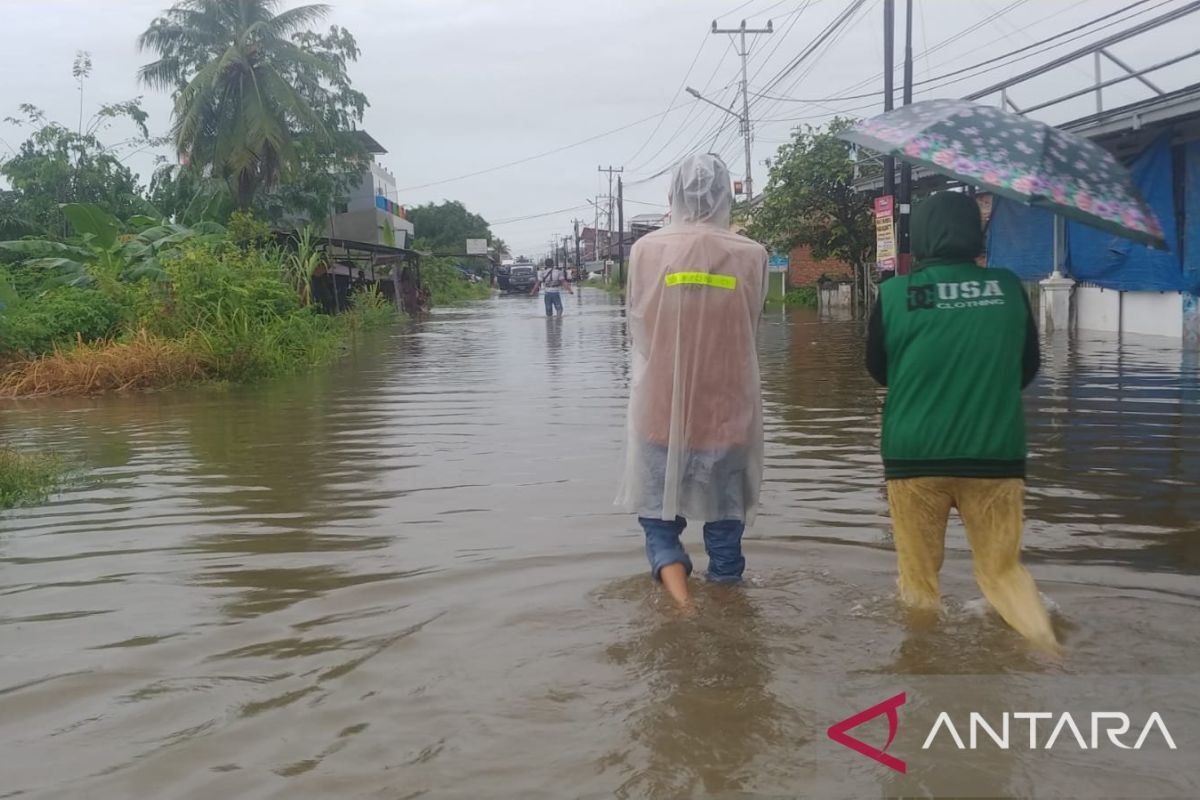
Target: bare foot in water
{"x": 674, "y": 579}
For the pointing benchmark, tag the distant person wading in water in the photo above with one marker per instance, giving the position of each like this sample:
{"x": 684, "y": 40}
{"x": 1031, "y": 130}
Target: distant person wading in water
{"x": 695, "y": 438}
{"x": 552, "y": 281}
{"x": 955, "y": 345}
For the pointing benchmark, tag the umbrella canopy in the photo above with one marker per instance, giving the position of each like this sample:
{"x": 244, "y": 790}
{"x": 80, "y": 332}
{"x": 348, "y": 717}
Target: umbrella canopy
{"x": 1016, "y": 157}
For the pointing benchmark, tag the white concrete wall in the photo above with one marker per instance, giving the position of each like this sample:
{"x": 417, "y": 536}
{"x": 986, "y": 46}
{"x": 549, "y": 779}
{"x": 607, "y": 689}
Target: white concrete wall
{"x": 1097, "y": 309}
{"x": 368, "y": 226}
{"x": 1147, "y": 313}
{"x": 1153, "y": 313}
{"x": 375, "y": 181}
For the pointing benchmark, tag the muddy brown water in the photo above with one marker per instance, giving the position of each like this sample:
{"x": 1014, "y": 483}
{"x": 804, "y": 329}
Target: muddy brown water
{"x": 404, "y": 577}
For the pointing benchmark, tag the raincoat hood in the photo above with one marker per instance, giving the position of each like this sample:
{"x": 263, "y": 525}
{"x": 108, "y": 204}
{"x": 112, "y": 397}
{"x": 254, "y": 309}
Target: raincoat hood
{"x": 701, "y": 193}
{"x": 946, "y": 229}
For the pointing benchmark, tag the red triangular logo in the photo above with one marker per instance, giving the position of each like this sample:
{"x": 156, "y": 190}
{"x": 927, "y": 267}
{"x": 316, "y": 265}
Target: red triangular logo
{"x": 838, "y": 733}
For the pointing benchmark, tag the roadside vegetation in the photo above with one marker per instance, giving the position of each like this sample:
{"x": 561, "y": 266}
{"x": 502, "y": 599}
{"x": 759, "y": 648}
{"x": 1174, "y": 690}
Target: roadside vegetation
{"x": 27, "y": 478}
{"x": 811, "y": 200}
{"x": 610, "y": 286}
{"x": 114, "y": 309}
{"x": 801, "y": 297}
{"x": 106, "y": 284}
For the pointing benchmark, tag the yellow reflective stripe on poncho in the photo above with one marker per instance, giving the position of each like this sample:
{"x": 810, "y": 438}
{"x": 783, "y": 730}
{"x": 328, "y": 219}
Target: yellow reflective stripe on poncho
{"x": 702, "y": 279}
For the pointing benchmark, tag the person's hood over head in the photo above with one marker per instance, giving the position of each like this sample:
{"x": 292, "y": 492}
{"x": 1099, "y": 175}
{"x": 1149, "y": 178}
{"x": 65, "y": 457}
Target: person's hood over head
{"x": 701, "y": 192}
{"x": 946, "y": 229}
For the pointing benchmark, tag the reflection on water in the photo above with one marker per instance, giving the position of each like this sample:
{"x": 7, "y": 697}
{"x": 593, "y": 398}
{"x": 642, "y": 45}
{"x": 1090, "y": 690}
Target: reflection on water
{"x": 404, "y": 575}
{"x": 701, "y": 675}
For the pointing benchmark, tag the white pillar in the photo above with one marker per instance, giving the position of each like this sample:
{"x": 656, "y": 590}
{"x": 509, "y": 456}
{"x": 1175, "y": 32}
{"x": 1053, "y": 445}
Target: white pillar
{"x": 1056, "y": 290}
{"x": 1191, "y": 321}
{"x": 1056, "y": 303}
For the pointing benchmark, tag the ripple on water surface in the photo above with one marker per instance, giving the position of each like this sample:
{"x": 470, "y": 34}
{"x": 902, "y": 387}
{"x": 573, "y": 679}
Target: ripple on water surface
{"x": 405, "y": 574}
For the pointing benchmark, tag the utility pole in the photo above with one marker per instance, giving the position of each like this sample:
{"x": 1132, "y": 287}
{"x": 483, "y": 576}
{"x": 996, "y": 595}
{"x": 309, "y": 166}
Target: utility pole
{"x": 611, "y": 172}
{"x": 905, "y": 200}
{"x": 621, "y": 230}
{"x": 596, "y": 229}
{"x": 889, "y": 35}
{"x": 578, "y": 263}
{"x": 744, "y": 52}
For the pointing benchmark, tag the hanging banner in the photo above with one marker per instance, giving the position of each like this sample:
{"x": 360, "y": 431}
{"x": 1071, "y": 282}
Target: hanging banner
{"x": 885, "y": 233}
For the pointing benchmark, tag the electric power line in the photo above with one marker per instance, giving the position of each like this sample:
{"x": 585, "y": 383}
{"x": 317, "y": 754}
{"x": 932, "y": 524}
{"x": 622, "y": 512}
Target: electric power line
{"x": 527, "y": 159}
{"x": 674, "y": 97}
{"x": 837, "y": 22}
{"x": 962, "y": 70}
{"x": 691, "y": 110}
{"x": 511, "y": 220}
{"x": 959, "y": 75}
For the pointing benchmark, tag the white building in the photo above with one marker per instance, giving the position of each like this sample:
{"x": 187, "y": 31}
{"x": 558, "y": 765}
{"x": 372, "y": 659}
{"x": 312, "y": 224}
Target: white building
{"x": 373, "y": 213}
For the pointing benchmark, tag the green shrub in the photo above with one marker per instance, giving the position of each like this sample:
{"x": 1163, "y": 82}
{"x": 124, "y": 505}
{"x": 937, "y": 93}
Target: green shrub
{"x": 241, "y": 313}
{"x": 26, "y": 477}
{"x": 447, "y": 286}
{"x": 801, "y": 297}
{"x": 370, "y": 309}
{"x": 60, "y": 316}
{"x": 222, "y": 306}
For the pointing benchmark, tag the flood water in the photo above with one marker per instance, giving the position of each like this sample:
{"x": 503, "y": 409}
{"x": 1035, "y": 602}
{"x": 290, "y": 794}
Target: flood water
{"x": 404, "y": 577}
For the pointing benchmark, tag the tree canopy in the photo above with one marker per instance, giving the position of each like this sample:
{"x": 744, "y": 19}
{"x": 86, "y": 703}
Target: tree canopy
{"x": 258, "y": 96}
{"x": 445, "y": 227}
{"x": 810, "y": 199}
{"x": 57, "y": 164}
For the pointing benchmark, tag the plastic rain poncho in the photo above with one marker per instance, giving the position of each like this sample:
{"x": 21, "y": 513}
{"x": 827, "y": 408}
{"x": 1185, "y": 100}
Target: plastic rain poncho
{"x": 693, "y": 302}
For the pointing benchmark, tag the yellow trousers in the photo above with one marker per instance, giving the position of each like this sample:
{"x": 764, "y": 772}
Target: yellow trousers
{"x": 992, "y": 510}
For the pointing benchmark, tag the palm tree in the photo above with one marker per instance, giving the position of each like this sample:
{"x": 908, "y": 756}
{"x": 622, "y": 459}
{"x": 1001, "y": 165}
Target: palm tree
{"x": 232, "y": 69}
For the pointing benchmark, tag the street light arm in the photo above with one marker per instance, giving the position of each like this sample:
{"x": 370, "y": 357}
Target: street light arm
{"x": 699, "y": 96}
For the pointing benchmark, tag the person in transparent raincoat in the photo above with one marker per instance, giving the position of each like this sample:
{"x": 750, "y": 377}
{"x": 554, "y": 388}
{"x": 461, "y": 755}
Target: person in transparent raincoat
{"x": 693, "y": 301}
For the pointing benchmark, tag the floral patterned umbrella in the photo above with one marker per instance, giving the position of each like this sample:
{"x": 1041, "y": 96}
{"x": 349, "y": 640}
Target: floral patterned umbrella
{"x": 1016, "y": 157}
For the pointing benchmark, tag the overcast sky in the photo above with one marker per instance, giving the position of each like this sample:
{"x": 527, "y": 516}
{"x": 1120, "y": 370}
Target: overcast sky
{"x": 462, "y": 86}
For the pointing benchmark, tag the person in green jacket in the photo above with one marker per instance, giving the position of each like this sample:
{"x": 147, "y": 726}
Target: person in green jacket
{"x": 955, "y": 345}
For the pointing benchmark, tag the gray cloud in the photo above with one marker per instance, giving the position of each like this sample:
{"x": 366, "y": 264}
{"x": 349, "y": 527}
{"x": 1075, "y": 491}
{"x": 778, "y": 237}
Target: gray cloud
{"x": 458, "y": 86}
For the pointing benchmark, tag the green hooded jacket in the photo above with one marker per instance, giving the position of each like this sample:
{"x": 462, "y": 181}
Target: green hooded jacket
{"x": 955, "y": 345}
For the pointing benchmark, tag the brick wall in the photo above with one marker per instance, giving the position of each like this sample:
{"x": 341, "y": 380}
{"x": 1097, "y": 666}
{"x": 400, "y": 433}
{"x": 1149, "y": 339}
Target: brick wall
{"x": 804, "y": 270}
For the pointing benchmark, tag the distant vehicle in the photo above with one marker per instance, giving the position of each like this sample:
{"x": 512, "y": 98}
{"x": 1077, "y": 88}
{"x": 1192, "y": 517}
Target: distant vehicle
{"x": 517, "y": 277}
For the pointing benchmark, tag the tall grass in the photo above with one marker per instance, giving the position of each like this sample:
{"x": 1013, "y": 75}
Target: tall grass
{"x": 27, "y": 477}
{"x": 447, "y": 286}
{"x": 141, "y": 362}
{"x": 226, "y": 311}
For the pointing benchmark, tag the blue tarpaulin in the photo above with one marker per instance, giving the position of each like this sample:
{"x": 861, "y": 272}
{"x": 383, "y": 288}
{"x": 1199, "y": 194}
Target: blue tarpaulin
{"x": 1191, "y": 220}
{"x": 1115, "y": 263}
{"x": 1020, "y": 238}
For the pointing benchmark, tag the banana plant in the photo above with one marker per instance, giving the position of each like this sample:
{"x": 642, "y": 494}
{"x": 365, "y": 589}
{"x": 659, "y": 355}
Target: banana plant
{"x": 101, "y": 248}
{"x": 300, "y": 265}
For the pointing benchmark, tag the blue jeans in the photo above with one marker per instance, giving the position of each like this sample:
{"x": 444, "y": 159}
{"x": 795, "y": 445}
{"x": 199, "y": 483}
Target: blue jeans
{"x": 553, "y": 301}
{"x": 722, "y": 542}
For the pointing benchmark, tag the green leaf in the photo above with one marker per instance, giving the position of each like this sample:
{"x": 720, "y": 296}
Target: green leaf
{"x": 64, "y": 264}
{"x": 135, "y": 249}
{"x": 206, "y": 227}
{"x": 150, "y": 269}
{"x": 156, "y": 233}
{"x": 175, "y": 238}
{"x": 42, "y": 248}
{"x": 143, "y": 221}
{"x": 87, "y": 218}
